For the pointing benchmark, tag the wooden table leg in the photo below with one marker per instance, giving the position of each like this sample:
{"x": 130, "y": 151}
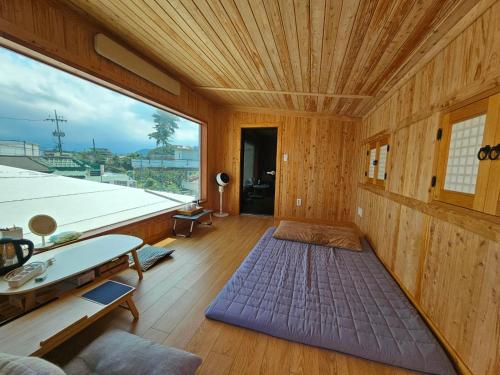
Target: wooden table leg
{"x": 133, "y": 309}
{"x": 137, "y": 264}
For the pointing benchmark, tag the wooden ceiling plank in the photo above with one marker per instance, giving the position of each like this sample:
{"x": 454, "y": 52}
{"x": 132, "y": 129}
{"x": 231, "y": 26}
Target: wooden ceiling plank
{"x": 129, "y": 33}
{"x": 434, "y": 42}
{"x": 148, "y": 35}
{"x": 409, "y": 26}
{"x": 261, "y": 62}
{"x": 166, "y": 32}
{"x": 347, "y": 17}
{"x": 229, "y": 15}
{"x": 362, "y": 22}
{"x": 200, "y": 18}
{"x": 197, "y": 38}
{"x": 200, "y": 12}
{"x": 267, "y": 51}
{"x": 277, "y": 29}
{"x": 313, "y": 29}
{"x": 368, "y": 51}
{"x": 303, "y": 31}
{"x": 259, "y": 28}
{"x": 275, "y": 47}
{"x": 387, "y": 20}
{"x": 429, "y": 18}
{"x": 253, "y": 102}
{"x": 294, "y": 54}
{"x": 286, "y": 8}
{"x": 333, "y": 9}
{"x": 386, "y": 46}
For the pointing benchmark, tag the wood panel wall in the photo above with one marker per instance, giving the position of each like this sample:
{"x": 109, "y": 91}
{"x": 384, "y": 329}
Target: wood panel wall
{"x": 55, "y": 30}
{"x": 319, "y": 169}
{"x": 447, "y": 259}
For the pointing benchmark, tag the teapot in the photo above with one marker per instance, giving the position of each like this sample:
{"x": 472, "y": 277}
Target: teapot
{"x": 12, "y": 253}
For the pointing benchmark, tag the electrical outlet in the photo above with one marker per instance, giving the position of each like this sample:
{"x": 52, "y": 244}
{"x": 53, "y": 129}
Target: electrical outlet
{"x": 285, "y": 157}
{"x": 360, "y": 212}
{"x": 299, "y": 202}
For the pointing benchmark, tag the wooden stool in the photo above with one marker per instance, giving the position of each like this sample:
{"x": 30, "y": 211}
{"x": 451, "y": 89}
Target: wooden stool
{"x": 194, "y": 219}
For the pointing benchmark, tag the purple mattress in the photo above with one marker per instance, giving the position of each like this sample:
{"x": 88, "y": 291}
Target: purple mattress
{"x": 328, "y": 297}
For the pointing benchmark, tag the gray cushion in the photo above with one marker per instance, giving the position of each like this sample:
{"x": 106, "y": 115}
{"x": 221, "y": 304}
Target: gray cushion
{"x": 14, "y": 365}
{"x": 149, "y": 255}
{"x": 119, "y": 352}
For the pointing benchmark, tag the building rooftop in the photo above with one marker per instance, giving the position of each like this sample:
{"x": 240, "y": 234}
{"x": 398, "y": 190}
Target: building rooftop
{"x": 79, "y": 205}
{"x": 24, "y": 162}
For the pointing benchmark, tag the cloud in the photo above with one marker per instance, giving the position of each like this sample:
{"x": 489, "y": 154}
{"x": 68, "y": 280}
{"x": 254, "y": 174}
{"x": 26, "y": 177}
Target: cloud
{"x": 29, "y": 89}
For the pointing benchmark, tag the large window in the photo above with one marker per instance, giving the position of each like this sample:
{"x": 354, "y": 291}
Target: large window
{"x": 87, "y": 155}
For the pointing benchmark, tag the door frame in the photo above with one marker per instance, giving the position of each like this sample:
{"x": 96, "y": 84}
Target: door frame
{"x": 237, "y": 161}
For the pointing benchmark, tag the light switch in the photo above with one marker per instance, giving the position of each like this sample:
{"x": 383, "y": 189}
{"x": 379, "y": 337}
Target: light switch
{"x": 299, "y": 202}
{"x": 360, "y": 212}
{"x": 285, "y": 157}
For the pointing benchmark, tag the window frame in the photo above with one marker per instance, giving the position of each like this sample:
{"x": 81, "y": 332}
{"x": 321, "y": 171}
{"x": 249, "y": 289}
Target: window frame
{"x": 490, "y": 107}
{"x": 108, "y": 84}
{"x": 375, "y": 144}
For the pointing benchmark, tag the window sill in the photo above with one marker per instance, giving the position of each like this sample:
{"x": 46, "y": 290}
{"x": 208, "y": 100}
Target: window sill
{"x": 110, "y": 228}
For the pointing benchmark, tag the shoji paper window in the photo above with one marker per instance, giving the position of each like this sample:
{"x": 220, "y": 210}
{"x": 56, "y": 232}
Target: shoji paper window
{"x": 382, "y": 162}
{"x": 377, "y": 160}
{"x": 468, "y": 172}
{"x": 463, "y": 164}
{"x": 371, "y": 167}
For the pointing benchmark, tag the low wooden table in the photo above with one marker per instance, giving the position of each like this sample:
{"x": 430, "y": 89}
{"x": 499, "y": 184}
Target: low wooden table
{"x": 77, "y": 258}
{"x": 195, "y": 219}
{"x": 43, "y": 329}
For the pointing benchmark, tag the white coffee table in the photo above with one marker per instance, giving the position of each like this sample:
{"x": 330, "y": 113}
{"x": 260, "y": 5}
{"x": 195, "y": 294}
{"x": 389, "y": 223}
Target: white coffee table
{"x": 76, "y": 258}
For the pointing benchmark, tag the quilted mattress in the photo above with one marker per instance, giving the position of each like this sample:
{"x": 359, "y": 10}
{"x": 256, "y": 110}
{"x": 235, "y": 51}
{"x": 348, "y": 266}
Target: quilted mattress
{"x": 331, "y": 298}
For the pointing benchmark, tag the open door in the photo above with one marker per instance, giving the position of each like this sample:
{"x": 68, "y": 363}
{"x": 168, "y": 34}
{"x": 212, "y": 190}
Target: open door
{"x": 258, "y": 170}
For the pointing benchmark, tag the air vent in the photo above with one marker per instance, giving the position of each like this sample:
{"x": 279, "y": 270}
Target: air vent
{"x": 120, "y": 55}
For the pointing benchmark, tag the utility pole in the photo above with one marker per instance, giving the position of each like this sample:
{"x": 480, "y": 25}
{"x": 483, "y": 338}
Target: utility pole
{"x": 57, "y": 133}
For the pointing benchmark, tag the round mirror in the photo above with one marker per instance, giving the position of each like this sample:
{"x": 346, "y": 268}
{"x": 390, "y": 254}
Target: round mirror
{"x": 42, "y": 225}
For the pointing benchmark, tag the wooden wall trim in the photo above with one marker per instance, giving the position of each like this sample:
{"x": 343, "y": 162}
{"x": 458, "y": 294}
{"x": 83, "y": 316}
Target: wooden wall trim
{"x": 275, "y": 111}
{"x": 485, "y": 225}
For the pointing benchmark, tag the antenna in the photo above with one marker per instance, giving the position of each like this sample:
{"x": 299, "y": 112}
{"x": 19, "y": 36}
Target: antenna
{"x": 57, "y": 132}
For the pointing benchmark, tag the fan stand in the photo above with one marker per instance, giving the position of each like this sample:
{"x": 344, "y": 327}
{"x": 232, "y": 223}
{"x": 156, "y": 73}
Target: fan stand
{"x": 221, "y": 213}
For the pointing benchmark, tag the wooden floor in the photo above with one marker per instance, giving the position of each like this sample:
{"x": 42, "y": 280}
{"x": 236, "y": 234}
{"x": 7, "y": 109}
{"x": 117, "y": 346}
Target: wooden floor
{"x": 174, "y": 294}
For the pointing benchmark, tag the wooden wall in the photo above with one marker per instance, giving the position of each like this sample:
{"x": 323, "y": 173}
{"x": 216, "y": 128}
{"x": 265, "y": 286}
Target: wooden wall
{"x": 57, "y": 31}
{"x": 319, "y": 167}
{"x": 447, "y": 259}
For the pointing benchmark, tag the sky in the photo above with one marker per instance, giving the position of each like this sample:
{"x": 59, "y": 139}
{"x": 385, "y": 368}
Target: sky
{"x": 32, "y": 90}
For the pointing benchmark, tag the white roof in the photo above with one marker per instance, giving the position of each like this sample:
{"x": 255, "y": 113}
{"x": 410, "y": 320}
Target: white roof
{"x": 75, "y": 204}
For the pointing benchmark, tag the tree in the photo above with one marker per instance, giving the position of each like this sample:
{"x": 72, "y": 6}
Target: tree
{"x": 165, "y": 127}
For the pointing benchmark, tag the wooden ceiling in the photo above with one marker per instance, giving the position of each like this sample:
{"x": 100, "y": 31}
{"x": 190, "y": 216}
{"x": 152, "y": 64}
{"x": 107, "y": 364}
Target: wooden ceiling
{"x": 328, "y": 56}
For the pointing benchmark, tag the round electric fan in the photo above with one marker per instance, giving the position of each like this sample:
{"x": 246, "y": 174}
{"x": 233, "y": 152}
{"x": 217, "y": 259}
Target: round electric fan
{"x": 222, "y": 180}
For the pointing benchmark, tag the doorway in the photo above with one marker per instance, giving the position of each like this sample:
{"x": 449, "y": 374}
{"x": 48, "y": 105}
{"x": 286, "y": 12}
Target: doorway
{"x": 258, "y": 170}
